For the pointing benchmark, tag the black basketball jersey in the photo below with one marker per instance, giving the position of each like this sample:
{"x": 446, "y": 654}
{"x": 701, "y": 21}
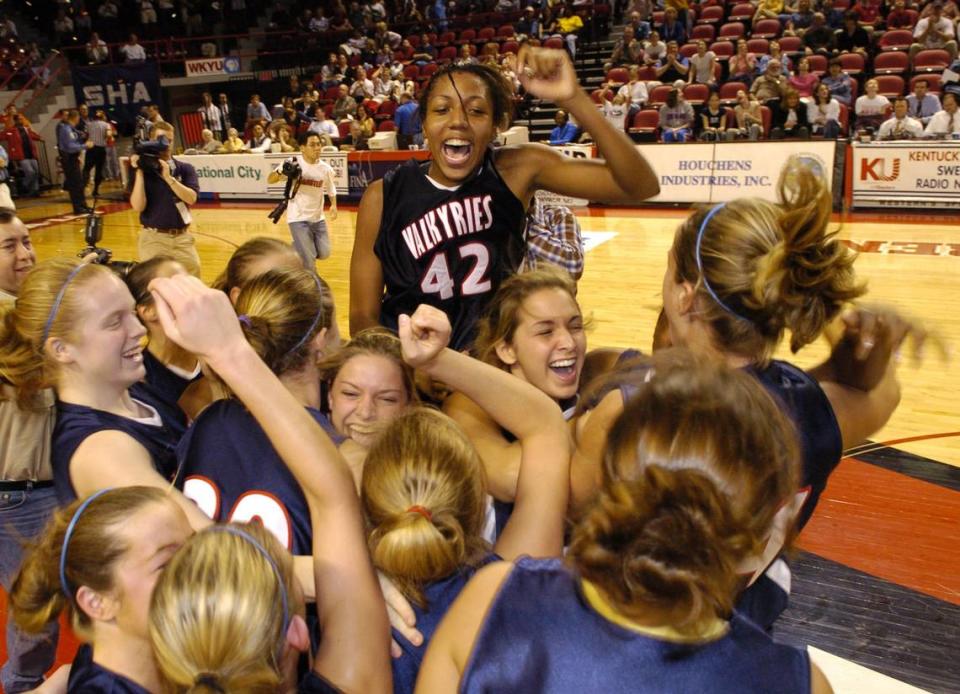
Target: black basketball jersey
{"x": 447, "y": 248}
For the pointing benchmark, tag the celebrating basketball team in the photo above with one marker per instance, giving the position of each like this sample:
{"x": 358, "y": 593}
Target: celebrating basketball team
{"x": 462, "y": 497}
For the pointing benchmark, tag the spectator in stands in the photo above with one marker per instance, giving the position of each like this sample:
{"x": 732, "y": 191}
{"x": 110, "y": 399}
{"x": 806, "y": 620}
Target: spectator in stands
{"x": 355, "y": 140}
{"x": 789, "y": 118}
{"x": 63, "y": 28}
{"x": 329, "y": 73}
{"x": 676, "y": 118}
{"x": 712, "y": 122}
{"x": 871, "y": 108}
{"x": 108, "y": 19}
{"x": 839, "y": 83}
{"x": 672, "y": 66}
{"x": 384, "y": 37}
{"x": 615, "y": 111}
{"x": 833, "y": 16}
{"x": 819, "y": 39}
{"x": 628, "y": 50}
{"x": 900, "y": 126}
{"x": 768, "y": 9}
{"x": 148, "y": 17}
{"x": 950, "y": 79}
{"x": 13, "y": 117}
{"x": 799, "y": 20}
{"x": 568, "y": 25}
{"x": 771, "y": 85}
{"x": 786, "y": 65}
{"x": 526, "y": 26}
{"x": 362, "y": 87}
{"x": 742, "y": 64}
{"x": 98, "y": 130}
{"x": 672, "y": 29}
{"x": 132, "y": 51}
{"x": 948, "y": 9}
{"x": 291, "y": 119}
{"x": 641, "y": 28}
{"x": 565, "y": 131}
{"x": 285, "y": 139}
{"x": 635, "y": 91}
{"x": 226, "y": 113}
{"x": 96, "y": 49}
{"x": 749, "y": 116}
{"x": 233, "y": 144}
{"x": 934, "y": 31}
{"x": 257, "y": 112}
{"x": 384, "y": 87}
{"x": 426, "y": 52}
{"x": 19, "y": 141}
{"x": 653, "y": 49}
{"x": 345, "y": 107}
{"x": 211, "y": 116}
{"x": 823, "y": 113}
{"x": 326, "y": 129}
{"x": 702, "y": 66}
{"x": 407, "y": 120}
{"x": 805, "y": 82}
{"x": 853, "y": 38}
{"x": 367, "y": 125}
{"x": 209, "y": 144}
{"x": 947, "y": 121}
{"x": 899, "y": 17}
{"x": 259, "y": 140}
{"x": 868, "y": 14}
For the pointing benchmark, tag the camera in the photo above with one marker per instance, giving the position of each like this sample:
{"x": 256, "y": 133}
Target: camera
{"x": 291, "y": 169}
{"x": 92, "y": 233}
{"x": 150, "y": 151}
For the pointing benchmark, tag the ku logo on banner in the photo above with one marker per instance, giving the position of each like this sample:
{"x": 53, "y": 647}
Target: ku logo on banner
{"x": 876, "y": 170}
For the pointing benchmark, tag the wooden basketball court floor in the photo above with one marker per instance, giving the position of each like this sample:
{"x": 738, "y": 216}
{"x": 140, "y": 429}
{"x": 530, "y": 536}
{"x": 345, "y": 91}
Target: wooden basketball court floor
{"x": 877, "y": 574}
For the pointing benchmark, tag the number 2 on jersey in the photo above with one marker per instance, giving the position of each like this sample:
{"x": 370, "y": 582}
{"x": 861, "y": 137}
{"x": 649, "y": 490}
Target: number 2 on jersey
{"x": 437, "y": 279}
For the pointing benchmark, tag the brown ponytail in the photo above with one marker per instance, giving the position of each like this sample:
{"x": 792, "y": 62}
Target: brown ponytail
{"x": 37, "y": 596}
{"x": 775, "y": 266}
{"x": 694, "y": 471}
{"x": 423, "y": 495}
{"x": 239, "y": 268}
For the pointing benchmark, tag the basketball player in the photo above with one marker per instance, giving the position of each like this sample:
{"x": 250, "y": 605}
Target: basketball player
{"x": 423, "y": 487}
{"x": 253, "y": 258}
{"x": 695, "y": 470}
{"x": 305, "y": 215}
{"x": 448, "y": 232}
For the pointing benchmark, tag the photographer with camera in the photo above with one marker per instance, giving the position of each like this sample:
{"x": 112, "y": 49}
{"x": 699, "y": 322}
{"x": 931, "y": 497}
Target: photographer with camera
{"x": 70, "y": 145}
{"x": 163, "y": 188}
{"x": 303, "y": 200}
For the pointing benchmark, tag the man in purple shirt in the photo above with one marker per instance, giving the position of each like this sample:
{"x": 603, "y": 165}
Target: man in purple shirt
{"x": 162, "y": 194}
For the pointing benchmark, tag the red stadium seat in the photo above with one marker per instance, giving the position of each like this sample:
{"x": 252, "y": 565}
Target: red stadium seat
{"x": 728, "y": 91}
{"x": 386, "y": 110}
{"x": 766, "y": 29}
{"x": 645, "y": 122}
{"x": 933, "y": 82}
{"x": 554, "y": 42}
{"x": 688, "y": 49}
{"x": 597, "y": 95}
{"x": 447, "y": 54}
{"x": 647, "y": 73}
{"x": 703, "y": 32}
{"x": 696, "y": 93}
{"x": 411, "y": 72}
{"x": 618, "y": 75}
{"x": 371, "y": 106}
{"x": 711, "y": 15}
{"x": 818, "y": 64}
{"x": 891, "y": 63}
{"x": 658, "y": 95}
{"x": 931, "y": 60}
{"x": 722, "y": 49}
{"x": 767, "y": 116}
{"x": 852, "y": 63}
{"x": 387, "y": 126}
{"x": 758, "y": 46}
{"x": 742, "y": 11}
{"x": 657, "y": 19}
{"x": 890, "y": 85}
{"x": 731, "y": 31}
{"x": 445, "y": 39}
{"x": 332, "y": 93}
{"x": 414, "y": 40}
{"x": 344, "y": 128}
{"x": 428, "y": 70}
{"x": 896, "y": 40}
{"x": 844, "y": 119}
{"x": 791, "y": 44}
{"x": 506, "y": 31}
{"x": 467, "y": 36}
{"x": 510, "y": 47}
{"x": 486, "y": 34}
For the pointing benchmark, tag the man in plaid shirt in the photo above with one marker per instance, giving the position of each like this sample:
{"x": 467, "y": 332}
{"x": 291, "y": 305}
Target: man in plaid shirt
{"x": 553, "y": 236}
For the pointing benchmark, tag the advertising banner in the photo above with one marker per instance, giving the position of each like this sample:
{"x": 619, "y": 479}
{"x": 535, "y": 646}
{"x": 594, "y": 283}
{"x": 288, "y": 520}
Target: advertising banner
{"x": 906, "y": 174}
{"x": 245, "y": 175}
{"x": 212, "y": 66}
{"x": 120, "y": 90}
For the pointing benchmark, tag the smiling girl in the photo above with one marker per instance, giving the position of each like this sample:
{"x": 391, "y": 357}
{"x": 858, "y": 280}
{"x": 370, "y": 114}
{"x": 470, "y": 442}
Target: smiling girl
{"x": 449, "y": 231}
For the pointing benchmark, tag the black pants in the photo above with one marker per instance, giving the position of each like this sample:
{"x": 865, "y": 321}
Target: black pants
{"x": 96, "y": 158}
{"x": 72, "y": 181}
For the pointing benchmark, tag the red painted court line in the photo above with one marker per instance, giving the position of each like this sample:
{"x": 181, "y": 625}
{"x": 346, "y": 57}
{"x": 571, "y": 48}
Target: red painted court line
{"x": 891, "y": 526}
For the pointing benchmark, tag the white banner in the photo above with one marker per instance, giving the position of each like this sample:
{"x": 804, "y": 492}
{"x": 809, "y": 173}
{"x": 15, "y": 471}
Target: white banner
{"x": 245, "y": 175}
{"x": 548, "y": 198}
{"x": 212, "y": 66}
{"x": 906, "y": 174}
{"x": 723, "y": 171}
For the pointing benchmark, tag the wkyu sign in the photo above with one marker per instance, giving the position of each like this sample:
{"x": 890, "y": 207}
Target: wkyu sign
{"x": 212, "y": 66}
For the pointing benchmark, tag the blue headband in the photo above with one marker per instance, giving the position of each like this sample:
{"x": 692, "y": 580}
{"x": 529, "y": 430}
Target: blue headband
{"x": 66, "y": 538}
{"x": 316, "y": 320}
{"x": 703, "y": 276}
{"x": 57, "y": 301}
{"x": 239, "y": 532}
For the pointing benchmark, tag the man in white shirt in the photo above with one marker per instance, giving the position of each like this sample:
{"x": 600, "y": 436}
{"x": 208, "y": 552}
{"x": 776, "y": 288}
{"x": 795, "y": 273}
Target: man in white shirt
{"x": 259, "y": 141}
{"x": 97, "y": 50}
{"x": 935, "y": 31}
{"x": 871, "y": 108}
{"x": 305, "y": 217}
{"x": 901, "y": 126}
{"x": 325, "y": 128}
{"x": 212, "y": 118}
{"x": 132, "y": 51}
{"x": 947, "y": 121}
{"x": 635, "y": 91}
{"x": 362, "y": 87}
